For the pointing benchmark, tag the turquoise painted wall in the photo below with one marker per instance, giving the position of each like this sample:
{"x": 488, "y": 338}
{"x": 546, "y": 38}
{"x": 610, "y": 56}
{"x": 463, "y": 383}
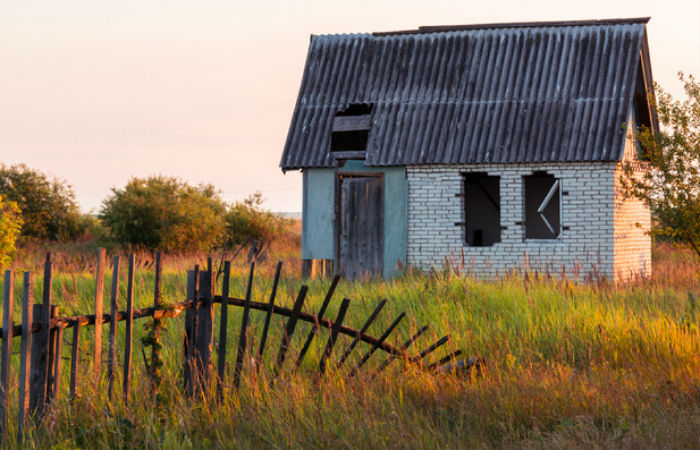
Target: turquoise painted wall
{"x": 318, "y": 216}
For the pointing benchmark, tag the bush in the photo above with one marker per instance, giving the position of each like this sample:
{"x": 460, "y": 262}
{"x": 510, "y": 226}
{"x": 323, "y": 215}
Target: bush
{"x": 246, "y": 220}
{"x": 48, "y": 206}
{"x": 10, "y": 227}
{"x": 164, "y": 213}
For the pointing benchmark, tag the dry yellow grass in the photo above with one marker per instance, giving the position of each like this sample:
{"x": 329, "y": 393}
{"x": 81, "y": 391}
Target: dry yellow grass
{"x": 569, "y": 366}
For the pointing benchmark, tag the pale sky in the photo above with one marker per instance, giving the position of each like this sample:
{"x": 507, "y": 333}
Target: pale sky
{"x": 95, "y": 92}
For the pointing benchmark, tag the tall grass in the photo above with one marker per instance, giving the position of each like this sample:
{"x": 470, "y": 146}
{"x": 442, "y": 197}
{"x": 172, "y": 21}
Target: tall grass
{"x": 569, "y": 365}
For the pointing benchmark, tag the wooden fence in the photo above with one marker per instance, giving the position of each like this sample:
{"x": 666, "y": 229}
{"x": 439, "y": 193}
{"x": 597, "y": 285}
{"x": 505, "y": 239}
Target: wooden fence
{"x": 41, "y": 333}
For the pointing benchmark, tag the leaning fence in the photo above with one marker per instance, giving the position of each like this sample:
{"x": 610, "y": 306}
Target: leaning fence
{"x": 41, "y": 334}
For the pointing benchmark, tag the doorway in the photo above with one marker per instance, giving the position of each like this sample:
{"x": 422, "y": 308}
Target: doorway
{"x": 359, "y": 224}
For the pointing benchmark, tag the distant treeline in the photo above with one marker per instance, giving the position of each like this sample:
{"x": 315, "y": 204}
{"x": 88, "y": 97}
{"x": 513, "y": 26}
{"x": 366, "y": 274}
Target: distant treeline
{"x": 157, "y": 212}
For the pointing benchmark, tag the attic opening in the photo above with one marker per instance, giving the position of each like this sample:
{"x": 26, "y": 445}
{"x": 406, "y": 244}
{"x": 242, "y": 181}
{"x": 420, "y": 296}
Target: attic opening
{"x": 542, "y": 206}
{"x": 482, "y": 209}
{"x": 350, "y": 132}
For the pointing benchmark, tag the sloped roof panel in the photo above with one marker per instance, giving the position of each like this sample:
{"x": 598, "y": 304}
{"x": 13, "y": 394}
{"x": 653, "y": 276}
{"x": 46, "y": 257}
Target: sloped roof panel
{"x": 543, "y": 92}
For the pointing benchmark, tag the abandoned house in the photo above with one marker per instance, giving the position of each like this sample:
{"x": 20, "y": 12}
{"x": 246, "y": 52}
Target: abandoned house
{"x": 499, "y": 147}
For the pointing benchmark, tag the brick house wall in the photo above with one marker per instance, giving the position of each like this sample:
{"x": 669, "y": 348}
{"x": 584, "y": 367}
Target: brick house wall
{"x": 604, "y": 234}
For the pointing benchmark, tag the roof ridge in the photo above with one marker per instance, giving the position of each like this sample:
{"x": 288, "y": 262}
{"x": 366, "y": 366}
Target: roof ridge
{"x": 566, "y": 23}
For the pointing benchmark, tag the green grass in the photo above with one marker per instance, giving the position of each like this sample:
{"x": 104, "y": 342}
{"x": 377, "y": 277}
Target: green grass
{"x": 568, "y": 366}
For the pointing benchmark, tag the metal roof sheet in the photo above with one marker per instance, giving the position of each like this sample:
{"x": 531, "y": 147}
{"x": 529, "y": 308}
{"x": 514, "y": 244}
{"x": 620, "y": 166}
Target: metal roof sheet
{"x": 479, "y": 94}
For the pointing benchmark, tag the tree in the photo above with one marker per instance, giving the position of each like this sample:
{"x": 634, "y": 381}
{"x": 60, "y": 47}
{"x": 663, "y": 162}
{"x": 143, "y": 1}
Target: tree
{"x": 246, "y": 220}
{"x": 10, "y": 227}
{"x": 165, "y": 213}
{"x": 48, "y": 206}
{"x": 672, "y": 185}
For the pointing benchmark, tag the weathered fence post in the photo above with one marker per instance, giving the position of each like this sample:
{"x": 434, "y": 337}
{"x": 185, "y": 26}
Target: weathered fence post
{"x": 129, "y": 326}
{"x": 40, "y": 347}
{"x": 113, "y": 308}
{"x": 155, "y": 332}
{"x": 27, "y": 310}
{"x": 204, "y": 339}
{"x": 223, "y": 328}
{"x": 190, "y": 329}
{"x": 51, "y": 366}
{"x": 99, "y": 289}
{"x": 8, "y": 305}
{"x": 58, "y": 335}
{"x": 74, "y": 359}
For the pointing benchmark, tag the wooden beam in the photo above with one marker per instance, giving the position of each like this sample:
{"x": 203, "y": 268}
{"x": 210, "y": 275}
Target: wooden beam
{"x": 352, "y": 123}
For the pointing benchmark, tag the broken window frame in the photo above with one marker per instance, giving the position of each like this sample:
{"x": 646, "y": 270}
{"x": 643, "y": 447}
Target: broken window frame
{"x": 555, "y": 229}
{"x": 474, "y": 178}
{"x": 350, "y": 132}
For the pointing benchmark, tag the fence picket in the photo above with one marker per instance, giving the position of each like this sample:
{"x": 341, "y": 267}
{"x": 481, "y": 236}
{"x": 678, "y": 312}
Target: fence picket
{"x": 334, "y": 335}
{"x": 40, "y": 347}
{"x": 445, "y": 360}
{"x": 362, "y": 331}
{"x": 315, "y": 327}
{"x": 204, "y": 338}
{"x": 268, "y": 315}
{"x": 404, "y": 347}
{"x": 8, "y": 305}
{"x": 113, "y": 308}
{"x": 190, "y": 328}
{"x": 289, "y": 329}
{"x": 57, "y": 361}
{"x": 129, "y": 326}
{"x": 25, "y": 349}
{"x": 374, "y": 347}
{"x": 51, "y": 365}
{"x": 99, "y": 289}
{"x": 244, "y": 325}
{"x": 155, "y": 345}
{"x": 439, "y": 343}
{"x": 223, "y": 328}
{"x": 74, "y": 359}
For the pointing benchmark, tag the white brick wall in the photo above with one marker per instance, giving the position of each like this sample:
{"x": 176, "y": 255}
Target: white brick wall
{"x": 590, "y": 246}
{"x": 632, "y": 224}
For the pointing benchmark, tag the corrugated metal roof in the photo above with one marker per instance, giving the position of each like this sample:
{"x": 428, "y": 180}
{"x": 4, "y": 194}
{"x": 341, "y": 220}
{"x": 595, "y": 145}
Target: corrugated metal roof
{"x": 489, "y": 93}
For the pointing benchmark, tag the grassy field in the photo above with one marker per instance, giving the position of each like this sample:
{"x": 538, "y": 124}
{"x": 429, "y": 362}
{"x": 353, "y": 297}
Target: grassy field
{"x": 569, "y": 365}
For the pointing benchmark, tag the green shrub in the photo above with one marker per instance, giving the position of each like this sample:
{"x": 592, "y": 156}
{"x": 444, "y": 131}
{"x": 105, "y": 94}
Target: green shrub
{"x": 165, "y": 213}
{"x": 48, "y": 206}
{"x": 10, "y": 227}
{"x": 246, "y": 220}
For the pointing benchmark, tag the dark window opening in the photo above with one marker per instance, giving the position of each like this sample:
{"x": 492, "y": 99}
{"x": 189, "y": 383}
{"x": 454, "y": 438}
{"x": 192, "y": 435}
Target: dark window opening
{"x": 351, "y": 131}
{"x": 482, "y": 209}
{"x": 355, "y": 109}
{"x": 349, "y": 140}
{"x": 542, "y": 206}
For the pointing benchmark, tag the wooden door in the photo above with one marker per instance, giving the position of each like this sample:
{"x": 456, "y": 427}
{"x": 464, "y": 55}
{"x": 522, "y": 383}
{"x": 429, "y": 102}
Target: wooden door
{"x": 360, "y": 226}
